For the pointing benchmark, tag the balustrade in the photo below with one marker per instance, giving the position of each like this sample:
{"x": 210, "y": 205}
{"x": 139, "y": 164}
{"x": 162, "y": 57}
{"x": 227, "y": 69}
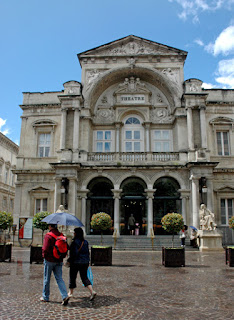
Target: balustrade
{"x": 133, "y": 156}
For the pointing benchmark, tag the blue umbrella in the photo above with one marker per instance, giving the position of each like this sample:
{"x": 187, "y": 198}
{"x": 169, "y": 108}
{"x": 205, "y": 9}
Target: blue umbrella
{"x": 63, "y": 218}
{"x": 192, "y": 227}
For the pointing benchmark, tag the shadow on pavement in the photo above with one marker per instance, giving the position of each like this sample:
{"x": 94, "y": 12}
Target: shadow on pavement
{"x": 99, "y": 302}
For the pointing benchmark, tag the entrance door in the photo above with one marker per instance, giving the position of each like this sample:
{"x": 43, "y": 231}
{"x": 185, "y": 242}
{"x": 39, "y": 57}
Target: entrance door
{"x": 133, "y": 202}
{"x": 136, "y": 207}
{"x": 166, "y": 200}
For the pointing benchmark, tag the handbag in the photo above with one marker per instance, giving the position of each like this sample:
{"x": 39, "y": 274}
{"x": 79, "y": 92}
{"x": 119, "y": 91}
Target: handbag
{"x": 90, "y": 275}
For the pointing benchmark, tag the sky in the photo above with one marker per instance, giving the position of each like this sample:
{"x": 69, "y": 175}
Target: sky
{"x": 40, "y": 40}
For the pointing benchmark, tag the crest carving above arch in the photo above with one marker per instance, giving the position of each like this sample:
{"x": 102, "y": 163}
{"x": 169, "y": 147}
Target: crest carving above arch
{"x": 116, "y": 76}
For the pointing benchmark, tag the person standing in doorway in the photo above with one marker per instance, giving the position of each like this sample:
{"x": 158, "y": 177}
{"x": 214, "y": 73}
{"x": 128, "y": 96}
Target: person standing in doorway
{"x": 51, "y": 264}
{"x": 131, "y": 223}
{"x": 79, "y": 262}
{"x": 183, "y": 232}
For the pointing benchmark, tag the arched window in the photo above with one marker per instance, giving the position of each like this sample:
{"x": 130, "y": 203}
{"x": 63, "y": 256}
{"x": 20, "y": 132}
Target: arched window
{"x": 132, "y": 120}
{"x": 133, "y": 135}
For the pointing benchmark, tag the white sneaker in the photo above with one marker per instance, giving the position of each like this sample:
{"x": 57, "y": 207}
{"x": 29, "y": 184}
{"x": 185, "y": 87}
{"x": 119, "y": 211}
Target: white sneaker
{"x": 93, "y": 295}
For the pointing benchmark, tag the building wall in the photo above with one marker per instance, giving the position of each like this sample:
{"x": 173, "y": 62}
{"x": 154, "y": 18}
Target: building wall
{"x": 131, "y": 78}
{"x": 8, "y": 153}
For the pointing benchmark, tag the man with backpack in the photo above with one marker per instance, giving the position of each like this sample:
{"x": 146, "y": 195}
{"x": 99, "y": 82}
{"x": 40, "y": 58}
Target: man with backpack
{"x": 54, "y": 243}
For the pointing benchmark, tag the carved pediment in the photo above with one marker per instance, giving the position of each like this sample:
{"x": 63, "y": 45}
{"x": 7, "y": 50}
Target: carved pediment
{"x": 222, "y": 120}
{"x": 225, "y": 189}
{"x": 132, "y": 46}
{"x": 39, "y": 189}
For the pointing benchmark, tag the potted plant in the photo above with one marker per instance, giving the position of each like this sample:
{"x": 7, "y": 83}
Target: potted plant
{"x": 36, "y": 251}
{"x": 6, "y": 222}
{"x": 101, "y": 255}
{"x": 173, "y": 257}
{"x": 230, "y": 249}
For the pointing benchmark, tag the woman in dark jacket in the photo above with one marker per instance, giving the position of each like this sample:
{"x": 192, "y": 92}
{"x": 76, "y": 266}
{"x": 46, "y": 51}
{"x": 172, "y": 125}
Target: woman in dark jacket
{"x": 79, "y": 262}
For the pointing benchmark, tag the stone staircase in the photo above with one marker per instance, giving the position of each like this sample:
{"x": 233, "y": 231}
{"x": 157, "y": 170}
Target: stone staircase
{"x": 137, "y": 243}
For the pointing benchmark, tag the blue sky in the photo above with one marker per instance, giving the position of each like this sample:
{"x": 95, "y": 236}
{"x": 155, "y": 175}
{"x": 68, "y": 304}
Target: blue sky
{"x": 40, "y": 40}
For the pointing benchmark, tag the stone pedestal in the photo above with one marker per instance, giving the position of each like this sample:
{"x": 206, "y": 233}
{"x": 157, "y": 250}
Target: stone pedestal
{"x": 210, "y": 240}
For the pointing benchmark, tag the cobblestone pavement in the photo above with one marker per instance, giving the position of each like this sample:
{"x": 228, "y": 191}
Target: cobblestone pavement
{"x": 136, "y": 286}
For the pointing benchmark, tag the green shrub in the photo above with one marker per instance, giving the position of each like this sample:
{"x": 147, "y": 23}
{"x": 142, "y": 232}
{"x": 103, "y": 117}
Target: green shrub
{"x": 6, "y": 220}
{"x": 173, "y": 223}
{"x": 37, "y": 221}
{"x": 231, "y": 223}
{"x": 101, "y": 221}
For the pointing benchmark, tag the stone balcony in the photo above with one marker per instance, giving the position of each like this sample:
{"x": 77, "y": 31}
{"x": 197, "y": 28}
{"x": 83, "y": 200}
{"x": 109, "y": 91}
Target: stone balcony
{"x": 141, "y": 158}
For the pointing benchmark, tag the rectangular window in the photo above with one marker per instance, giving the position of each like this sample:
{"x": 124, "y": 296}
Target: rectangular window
{"x": 133, "y": 141}
{"x": 41, "y": 205}
{"x": 223, "y": 143}
{"x": 44, "y": 145}
{"x": 162, "y": 141}
{"x": 103, "y": 141}
{"x": 227, "y": 210}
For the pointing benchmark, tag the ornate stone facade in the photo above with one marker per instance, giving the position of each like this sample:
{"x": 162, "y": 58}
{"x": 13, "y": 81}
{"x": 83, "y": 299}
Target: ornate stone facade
{"x": 8, "y": 153}
{"x": 132, "y": 137}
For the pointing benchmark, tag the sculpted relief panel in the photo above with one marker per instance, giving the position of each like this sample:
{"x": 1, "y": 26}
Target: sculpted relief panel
{"x": 134, "y": 48}
{"x": 132, "y": 92}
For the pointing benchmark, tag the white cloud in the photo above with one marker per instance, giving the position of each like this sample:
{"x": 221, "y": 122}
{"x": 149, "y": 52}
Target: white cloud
{"x": 224, "y": 44}
{"x": 225, "y": 73}
{"x": 199, "y": 42}
{"x": 208, "y": 85}
{"x": 195, "y": 7}
{"x": 2, "y": 123}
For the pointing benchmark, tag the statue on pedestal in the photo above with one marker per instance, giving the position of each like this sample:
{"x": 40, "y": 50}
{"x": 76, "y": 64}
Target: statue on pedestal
{"x": 207, "y": 221}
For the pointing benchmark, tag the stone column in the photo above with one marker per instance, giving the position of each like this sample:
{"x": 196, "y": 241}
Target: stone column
{"x": 18, "y": 203}
{"x": 83, "y": 195}
{"x": 116, "y": 193}
{"x": 72, "y": 195}
{"x": 190, "y": 128}
{"x": 76, "y": 128}
{"x": 117, "y": 140}
{"x": 210, "y": 194}
{"x": 184, "y": 196}
{"x": 203, "y": 127}
{"x": 150, "y": 218}
{"x": 57, "y": 197}
{"x": 195, "y": 201}
{"x": 63, "y": 128}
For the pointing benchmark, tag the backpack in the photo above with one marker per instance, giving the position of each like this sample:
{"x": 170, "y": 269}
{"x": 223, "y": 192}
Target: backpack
{"x": 60, "y": 247}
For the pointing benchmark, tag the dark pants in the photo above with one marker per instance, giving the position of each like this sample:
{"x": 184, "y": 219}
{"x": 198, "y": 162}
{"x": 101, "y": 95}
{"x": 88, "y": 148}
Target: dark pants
{"x": 82, "y": 268}
{"x": 183, "y": 241}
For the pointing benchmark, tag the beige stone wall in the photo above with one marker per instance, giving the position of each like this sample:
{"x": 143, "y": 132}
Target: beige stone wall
{"x": 8, "y": 153}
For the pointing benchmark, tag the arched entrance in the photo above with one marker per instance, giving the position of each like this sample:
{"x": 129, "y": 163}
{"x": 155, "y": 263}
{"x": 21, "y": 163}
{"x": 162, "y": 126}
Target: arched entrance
{"x": 166, "y": 200}
{"x": 133, "y": 202}
{"x": 99, "y": 199}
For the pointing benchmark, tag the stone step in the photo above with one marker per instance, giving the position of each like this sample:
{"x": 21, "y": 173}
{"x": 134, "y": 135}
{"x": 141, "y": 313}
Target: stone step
{"x": 136, "y": 242}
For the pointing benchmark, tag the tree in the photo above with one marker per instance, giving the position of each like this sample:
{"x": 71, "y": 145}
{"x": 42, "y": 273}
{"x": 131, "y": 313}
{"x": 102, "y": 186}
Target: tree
{"x": 37, "y": 223}
{"x": 231, "y": 223}
{"x": 101, "y": 221}
{"x": 6, "y": 221}
{"x": 173, "y": 223}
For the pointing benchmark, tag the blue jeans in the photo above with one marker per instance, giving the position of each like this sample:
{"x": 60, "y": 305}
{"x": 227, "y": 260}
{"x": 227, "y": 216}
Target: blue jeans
{"x": 56, "y": 267}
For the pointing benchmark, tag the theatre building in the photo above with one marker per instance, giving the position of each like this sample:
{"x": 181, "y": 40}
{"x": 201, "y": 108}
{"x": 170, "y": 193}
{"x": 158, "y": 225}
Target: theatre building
{"x": 131, "y": 137}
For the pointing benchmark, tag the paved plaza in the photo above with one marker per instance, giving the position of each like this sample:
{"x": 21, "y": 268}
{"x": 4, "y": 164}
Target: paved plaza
{"x": 136, "y": 286}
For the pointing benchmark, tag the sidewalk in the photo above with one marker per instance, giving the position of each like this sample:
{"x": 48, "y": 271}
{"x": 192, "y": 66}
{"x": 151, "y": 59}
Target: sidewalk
{"x": 137, "y": 286}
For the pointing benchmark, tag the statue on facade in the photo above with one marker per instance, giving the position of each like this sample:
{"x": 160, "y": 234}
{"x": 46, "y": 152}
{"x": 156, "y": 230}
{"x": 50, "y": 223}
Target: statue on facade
{"x": 61, "y": 209}
{"x": 206, "y": 218}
